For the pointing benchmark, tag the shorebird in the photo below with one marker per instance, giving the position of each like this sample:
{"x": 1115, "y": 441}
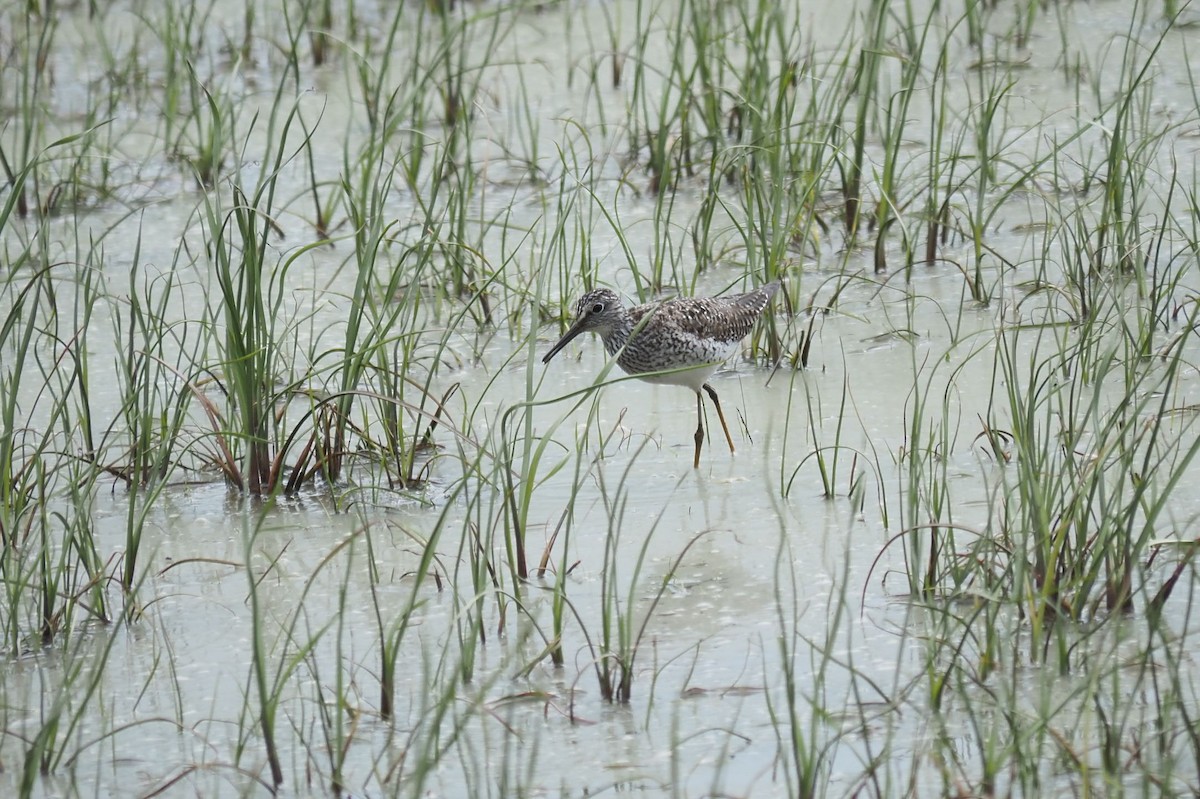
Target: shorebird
{"x": 681, "y": 342}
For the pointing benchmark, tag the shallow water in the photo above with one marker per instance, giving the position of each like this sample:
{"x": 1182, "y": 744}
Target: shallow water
{"x": 739, "y": 578}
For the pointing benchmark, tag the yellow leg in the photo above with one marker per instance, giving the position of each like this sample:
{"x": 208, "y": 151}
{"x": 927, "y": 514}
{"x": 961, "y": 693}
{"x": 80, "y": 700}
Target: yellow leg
{"x": 720, "y": 415}
{"x": 699, "y": 428}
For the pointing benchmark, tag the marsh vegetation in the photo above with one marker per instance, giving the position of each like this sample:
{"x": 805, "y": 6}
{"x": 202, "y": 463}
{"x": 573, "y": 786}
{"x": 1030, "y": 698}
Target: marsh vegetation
{"x": 289, "y": 503}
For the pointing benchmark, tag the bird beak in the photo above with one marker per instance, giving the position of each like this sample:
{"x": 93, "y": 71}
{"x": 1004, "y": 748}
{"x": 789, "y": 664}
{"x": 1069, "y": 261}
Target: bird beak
{"x": 574, "y": 331}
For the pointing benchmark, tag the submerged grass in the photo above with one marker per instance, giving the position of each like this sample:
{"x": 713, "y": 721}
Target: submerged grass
{"x": 334, "y": 321}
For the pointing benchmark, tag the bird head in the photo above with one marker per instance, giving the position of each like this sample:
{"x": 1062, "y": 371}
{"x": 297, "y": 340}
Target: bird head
{"x": 598, "y": 311}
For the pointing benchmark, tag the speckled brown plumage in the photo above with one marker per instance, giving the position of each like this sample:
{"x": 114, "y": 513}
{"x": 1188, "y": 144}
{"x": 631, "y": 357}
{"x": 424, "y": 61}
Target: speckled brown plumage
{"x": 680, "y": 342}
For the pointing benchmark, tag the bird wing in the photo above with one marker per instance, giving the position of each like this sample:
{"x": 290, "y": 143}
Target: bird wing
{"x": 724, "y": 319}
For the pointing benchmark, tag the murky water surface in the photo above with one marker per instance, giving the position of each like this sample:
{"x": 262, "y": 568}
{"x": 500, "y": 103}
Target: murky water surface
{"x": 736, "y": 579}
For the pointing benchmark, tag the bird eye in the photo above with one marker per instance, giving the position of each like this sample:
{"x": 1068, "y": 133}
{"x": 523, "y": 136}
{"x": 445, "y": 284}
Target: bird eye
{"x": 598, "y": 308}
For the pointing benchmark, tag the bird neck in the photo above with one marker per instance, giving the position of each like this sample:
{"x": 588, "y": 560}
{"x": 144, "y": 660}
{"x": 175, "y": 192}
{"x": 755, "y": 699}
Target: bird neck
{"x": 618, "y": 337}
